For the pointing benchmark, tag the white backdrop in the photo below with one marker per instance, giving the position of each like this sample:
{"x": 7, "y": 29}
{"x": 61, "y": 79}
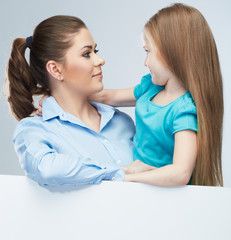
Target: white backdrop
{"x": 116, "y": 26}
{"x": 112, "y": 210}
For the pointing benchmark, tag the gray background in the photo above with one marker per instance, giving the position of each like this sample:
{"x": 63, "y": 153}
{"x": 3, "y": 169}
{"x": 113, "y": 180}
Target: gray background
{"x": 116, "y": 27}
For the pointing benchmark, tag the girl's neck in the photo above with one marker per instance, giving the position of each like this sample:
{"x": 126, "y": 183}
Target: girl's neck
{"x": 173, "y": 90}
{"x": 174, "y": 87}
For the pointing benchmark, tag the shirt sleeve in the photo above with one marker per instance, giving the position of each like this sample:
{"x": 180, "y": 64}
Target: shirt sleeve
{"x": 42, "y": 163}
{"x": 143, "y": 86}
{"x": 185, "y": 119}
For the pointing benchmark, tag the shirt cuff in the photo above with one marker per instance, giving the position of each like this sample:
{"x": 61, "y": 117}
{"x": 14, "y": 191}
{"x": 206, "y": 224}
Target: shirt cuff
{"x": 116, "y": 175}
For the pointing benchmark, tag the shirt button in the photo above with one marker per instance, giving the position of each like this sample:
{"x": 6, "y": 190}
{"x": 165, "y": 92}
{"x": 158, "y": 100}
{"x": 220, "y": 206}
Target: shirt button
{"x": 105, "y": 140}
{"x": 118, "y": 162}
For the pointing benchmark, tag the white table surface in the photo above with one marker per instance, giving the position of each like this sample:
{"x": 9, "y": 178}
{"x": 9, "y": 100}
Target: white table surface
{"x": 112, "y": 210}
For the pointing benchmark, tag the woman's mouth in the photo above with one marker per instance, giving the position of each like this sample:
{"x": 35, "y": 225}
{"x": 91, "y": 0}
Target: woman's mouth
{"x": 98, "y": 75}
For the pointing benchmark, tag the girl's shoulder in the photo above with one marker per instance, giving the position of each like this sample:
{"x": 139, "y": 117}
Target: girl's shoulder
{"x": 186, "y": 103}
{"x": 184, "y": 115}
{"x": 145, "y": 85}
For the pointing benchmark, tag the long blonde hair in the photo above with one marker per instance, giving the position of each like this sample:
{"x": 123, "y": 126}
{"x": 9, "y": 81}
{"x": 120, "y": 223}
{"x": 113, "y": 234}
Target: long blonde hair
{"x": 186, "y": 45}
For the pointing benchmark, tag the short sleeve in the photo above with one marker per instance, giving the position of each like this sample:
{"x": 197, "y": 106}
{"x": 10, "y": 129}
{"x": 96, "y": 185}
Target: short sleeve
{"x": 143, "y": 86}
{"x": 185, "y": 119}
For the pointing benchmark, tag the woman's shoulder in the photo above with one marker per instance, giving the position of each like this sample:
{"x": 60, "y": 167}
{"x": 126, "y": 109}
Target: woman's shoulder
{"x": 123, "y": 120}
{"x": 29, "y": 121}
{"x": 123, "y": 115}
{"x": 28, "y": 124}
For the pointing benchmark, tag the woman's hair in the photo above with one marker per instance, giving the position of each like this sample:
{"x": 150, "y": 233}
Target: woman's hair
{"x": 50, "y": 41}
{"x": 186, "y": 45}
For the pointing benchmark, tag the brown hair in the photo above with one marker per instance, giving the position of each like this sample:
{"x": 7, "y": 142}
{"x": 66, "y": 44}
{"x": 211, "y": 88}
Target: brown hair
{"x": 51, "y": 39}
{"x": 186, "y": 44}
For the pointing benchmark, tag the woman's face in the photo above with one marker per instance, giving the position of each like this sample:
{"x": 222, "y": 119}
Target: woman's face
{"x": 160, "y": 73}
{"x": 82, "y": 71}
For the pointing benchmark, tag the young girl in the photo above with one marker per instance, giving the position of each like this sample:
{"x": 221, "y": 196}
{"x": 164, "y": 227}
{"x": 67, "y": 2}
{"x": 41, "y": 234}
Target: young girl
{"x": 179, "y": 109}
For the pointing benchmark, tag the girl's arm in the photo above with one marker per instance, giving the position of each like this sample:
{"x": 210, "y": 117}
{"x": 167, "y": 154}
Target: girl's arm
{"x": 178, "y": 173}
{"x": 115, "y": 97}
{"x": 112, "y": 97}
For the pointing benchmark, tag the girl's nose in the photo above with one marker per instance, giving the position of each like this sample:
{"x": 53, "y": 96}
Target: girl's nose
{"x": 145, "y": 62}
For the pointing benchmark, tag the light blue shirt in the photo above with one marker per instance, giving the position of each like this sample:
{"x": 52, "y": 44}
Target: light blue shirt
{"x": 59, "y": 149}
{"x": 156, "y": 125}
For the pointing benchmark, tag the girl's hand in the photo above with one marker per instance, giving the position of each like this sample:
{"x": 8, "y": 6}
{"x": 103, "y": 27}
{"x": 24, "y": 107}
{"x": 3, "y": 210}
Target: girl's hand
{"x": 40, "y": 109}
{"x": 137, "y": 167}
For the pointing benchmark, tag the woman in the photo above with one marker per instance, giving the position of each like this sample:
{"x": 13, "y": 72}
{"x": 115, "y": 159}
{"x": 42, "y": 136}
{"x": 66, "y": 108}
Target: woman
{"x": 75, "y": 141}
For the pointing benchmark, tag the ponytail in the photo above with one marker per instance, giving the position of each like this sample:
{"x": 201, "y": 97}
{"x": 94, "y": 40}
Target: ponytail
{"x": 51, "y": 39}
{"x": 21, "y": 84}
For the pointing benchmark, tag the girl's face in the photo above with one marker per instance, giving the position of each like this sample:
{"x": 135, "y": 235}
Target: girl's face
{"x": 160, "y": 73}
{"x": 82, "y": 71}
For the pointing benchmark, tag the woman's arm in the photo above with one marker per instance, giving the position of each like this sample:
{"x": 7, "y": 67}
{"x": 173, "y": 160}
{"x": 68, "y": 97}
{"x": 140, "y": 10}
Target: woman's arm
{"x": 44, "y": 164}
{"x": 115, "y": 97}
{"x": 178, "y": 173}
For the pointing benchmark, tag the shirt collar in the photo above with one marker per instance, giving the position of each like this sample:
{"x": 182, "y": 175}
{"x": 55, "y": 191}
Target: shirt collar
{"x": 106, "y": 112}
{"x": 51, "y": 109}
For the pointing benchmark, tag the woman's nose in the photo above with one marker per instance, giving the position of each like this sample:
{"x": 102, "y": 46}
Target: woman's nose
{"x": 99, "y": 61}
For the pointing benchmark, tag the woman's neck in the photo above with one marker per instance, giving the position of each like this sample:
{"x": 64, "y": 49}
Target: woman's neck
{"x": 76, "y": 104}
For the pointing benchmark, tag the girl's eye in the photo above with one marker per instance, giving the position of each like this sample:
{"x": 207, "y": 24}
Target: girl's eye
{"x": 146, "y": 51}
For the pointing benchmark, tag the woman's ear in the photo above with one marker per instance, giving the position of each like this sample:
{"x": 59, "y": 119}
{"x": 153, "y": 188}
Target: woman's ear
{"x": 55, "y": 69}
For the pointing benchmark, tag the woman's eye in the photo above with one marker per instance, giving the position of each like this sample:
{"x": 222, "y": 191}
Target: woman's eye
{"x": 87, "y": 54}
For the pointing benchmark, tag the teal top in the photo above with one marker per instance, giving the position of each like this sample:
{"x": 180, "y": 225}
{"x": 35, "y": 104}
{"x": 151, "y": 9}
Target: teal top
{"x": 156, "y": 125}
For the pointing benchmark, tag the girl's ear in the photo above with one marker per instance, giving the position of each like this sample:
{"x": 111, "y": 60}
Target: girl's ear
{"x": 55, "y": 69}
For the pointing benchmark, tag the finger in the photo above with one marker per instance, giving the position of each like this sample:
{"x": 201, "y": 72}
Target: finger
{"x": 125, "y": 169}
{"x": 42, "y": 99}
{"x": 125, "y": 178}
{"x": 153, "y": 168}
{"x": 38, "y": 113}
{"x": 41, "y": 102}
{"x": 40, "y": 109}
